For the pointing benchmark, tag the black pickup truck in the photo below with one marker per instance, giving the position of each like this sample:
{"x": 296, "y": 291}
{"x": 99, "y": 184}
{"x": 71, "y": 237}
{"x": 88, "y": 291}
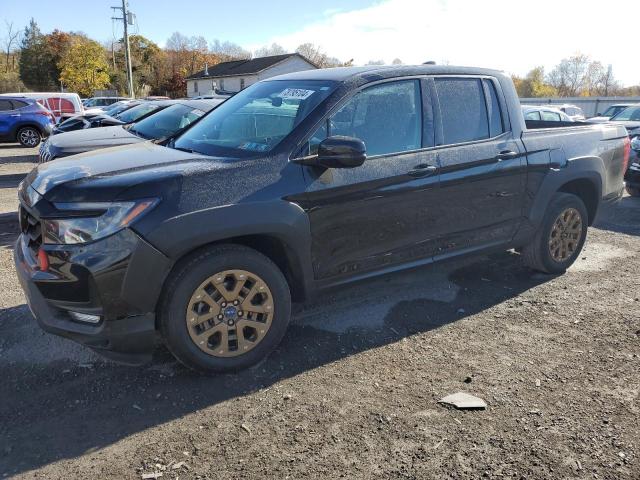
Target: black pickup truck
{"x": 299, "y": 183}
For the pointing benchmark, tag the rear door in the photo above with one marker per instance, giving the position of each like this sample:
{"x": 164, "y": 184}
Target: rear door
{"x": 483, "y": 167}
{"x": 381, "y": 213}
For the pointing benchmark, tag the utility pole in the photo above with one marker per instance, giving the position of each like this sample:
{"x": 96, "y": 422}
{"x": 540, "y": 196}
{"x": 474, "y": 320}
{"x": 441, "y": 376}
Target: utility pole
{"x": 127, "y": 19}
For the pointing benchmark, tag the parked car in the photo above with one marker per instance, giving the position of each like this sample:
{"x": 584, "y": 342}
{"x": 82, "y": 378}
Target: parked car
{"x": 612, "y": 111}
{"x": 62, "y": 105}
{"x": 101, "y": 102}
{"x": 159, "y": 126}
{"x": 94, "y": 119}
{"x": 632, "y": 177}
{"x": 298, "y": 183}
{"x": 630, "y": 118}
{"x": 24, "y": 120}
{"x": 547, "y": 114}
{"x": 575, "y": 113}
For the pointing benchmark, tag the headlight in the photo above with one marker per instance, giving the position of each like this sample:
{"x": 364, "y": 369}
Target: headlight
{"x": 635, "y": 143}
{"x": 86, "y": 222}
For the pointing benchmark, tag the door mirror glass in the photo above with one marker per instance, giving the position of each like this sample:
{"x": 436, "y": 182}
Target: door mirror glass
{"x": 341, "y": 152}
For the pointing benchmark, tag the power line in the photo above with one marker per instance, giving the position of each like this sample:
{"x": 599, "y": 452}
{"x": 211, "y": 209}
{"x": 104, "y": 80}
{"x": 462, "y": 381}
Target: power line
{"x": 127, "y": 19}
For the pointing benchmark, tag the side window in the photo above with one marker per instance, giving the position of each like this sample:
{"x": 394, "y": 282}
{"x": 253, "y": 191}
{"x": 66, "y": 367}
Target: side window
{"x": 5, "y": 105}
{"x": 462, "y": 109}
{"x": 18, "y": 104}
{"x": 386, "y": 117}
{"x": 550, "y": 116}
{"x": 534, "y": 115}
{"x": 496, "y": 125}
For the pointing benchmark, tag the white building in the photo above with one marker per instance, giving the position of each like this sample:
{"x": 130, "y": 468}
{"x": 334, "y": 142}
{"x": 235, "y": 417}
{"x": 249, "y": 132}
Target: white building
{"x": 238, "y": 74}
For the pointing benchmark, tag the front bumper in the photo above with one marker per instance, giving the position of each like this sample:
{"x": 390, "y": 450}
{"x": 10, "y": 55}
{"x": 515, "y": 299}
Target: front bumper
{"x": 118, "y": 278}
{"x": 632, "y": 176}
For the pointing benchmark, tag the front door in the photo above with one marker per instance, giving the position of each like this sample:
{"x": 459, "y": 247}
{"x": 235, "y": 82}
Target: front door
{"x": 6, "y": 118}
{"x": 379, "y": 214}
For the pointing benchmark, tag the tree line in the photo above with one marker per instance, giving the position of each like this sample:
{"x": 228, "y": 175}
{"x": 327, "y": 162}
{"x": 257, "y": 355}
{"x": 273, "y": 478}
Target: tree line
{"x": 72, "y": 61}
{"x": 39, "y": 61}
{"x": 575, "y": 76}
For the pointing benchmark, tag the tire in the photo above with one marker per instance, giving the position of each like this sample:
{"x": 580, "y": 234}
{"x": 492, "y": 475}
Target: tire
{"x": 182, "y": 309}
{"x": 543, "y": 253}
{"x": 633, "y": 191}
{"x": 29, "y": 137}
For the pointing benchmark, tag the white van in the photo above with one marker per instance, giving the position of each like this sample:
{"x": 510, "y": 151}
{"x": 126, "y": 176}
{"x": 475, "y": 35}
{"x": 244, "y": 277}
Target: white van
{"x": 62, "y": 105}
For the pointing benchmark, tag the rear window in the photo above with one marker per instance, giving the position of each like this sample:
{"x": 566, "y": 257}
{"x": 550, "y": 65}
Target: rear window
{"x": 533, "y": 115}
{"x": 18, "y": 104}
{"x": 550, "y": 116}
{"x": 463, "y": 109}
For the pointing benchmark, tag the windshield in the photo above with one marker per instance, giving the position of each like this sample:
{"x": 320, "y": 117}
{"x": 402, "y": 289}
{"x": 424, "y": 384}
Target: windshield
{"x": 137, "y": 112}
{"x": 255, "y": 119}
{"x": 166, "y": 122}
{"x": 631, "y": 113}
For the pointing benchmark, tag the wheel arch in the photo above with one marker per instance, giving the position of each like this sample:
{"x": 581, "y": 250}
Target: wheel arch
{"x": 21, "y": 125}
{"x": 279, "y": 230}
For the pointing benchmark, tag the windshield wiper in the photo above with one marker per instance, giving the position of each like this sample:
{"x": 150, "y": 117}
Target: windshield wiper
{"x": 188, "y": 150}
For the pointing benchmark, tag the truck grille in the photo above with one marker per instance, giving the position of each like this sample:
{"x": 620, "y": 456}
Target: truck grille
{"x": 31, "y": 228}
{"x": 44, "y": 153}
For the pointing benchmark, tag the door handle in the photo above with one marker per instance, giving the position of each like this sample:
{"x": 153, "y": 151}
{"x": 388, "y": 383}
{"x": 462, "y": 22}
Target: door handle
{"x": 423, "y": 170}
{"x": 506, "y": 155}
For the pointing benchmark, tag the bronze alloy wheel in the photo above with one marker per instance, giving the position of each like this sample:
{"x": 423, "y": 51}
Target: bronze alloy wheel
{"x": 230, "y": 313}
{"x": 565, "y": 235}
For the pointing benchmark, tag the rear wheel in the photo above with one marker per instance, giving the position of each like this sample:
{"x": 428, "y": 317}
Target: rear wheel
{"x": 224, "y": 309}
{"x": 29, "y": 137}
{"x": 633, "y": 191}
{"x": 561, "y": 236}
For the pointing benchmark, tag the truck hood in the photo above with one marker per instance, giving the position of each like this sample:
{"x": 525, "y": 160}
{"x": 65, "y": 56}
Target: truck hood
{"x": 143, "y": 158}
{"x": 80, "y": 141}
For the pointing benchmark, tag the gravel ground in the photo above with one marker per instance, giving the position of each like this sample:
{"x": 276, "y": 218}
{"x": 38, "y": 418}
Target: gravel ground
{"x": 352, "y": 392}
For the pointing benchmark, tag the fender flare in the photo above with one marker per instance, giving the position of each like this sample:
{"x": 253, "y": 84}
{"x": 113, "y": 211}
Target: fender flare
{"x": 283, "y": 221}
{"x": 585, "y": 168}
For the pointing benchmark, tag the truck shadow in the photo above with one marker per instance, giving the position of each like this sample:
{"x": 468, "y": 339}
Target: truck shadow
{"x": 622, "y": 216}
{"x": 60, "y": 401}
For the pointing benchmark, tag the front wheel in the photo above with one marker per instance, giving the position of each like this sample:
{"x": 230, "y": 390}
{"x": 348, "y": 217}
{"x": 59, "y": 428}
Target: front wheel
{"x": 29, "y": 137}
{"x": 633, "y": 191}
{"x": 224, "y": 309}
{"x": 561, "y": 236}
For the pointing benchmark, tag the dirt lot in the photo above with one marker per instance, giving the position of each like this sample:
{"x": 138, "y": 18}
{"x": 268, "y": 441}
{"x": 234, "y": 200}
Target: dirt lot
{"x": 353, "y": 390}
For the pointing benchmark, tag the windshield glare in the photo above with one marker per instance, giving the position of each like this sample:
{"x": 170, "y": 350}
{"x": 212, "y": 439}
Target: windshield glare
{"x": 135, "y": 113}
{"x": 166, "y": 122}
{"x": 256, "y": 119}
{"x": 631, "y": 113}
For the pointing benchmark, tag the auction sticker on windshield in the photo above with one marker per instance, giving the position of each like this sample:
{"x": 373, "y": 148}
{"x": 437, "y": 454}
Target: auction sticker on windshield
{"x": 296, "y": 93}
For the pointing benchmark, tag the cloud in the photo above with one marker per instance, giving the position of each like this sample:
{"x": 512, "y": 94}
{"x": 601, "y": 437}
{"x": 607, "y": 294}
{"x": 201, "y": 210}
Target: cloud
{"x": 510, "y": 35}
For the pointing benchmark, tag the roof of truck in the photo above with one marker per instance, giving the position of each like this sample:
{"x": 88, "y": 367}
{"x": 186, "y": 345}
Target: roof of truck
{"x": 344, "y": 73}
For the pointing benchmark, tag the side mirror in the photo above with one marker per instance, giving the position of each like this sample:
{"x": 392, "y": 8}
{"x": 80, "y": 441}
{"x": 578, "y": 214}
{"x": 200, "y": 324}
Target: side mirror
{"x": 598, "y": 114}
{"x": 340, "y": 152}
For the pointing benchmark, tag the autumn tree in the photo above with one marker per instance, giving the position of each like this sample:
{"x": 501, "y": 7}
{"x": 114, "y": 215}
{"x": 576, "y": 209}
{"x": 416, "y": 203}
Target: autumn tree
{"x": 569, "y": 76}
{"x": 534, "y": 85}
{"x": 313, "y": 53}
{"x": 229, "y": 50}
{"x": 268, "y": 51}
{"x": 83, "y": 67}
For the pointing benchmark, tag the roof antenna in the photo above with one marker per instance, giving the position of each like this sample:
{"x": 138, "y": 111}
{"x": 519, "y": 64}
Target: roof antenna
{"x": 429, "y": 62}
{"x": 206, "y": 69}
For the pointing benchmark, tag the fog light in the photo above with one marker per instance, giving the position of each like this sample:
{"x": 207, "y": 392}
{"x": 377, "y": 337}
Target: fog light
{"x": 85, "y": 317}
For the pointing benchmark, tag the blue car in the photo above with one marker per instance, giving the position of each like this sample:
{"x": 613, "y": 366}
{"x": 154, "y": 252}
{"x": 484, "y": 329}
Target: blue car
{"x": 24, "y": 120}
